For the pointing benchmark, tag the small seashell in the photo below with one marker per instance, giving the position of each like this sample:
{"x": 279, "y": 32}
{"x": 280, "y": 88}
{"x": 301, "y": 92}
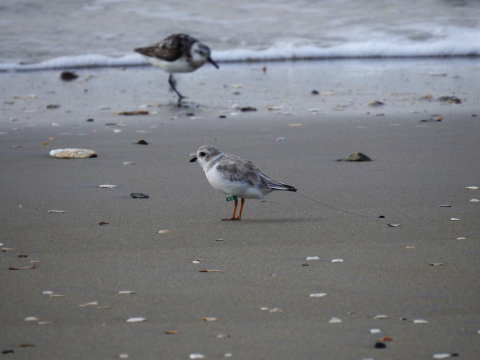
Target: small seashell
{"x": 455, "y": 219}
{"x": 72, "y": 153}
{"x": 108, "y": 186}
{"x": 139, "y": 196}
{"x": 435, "y": 264}
{"x": 337, "y": 260}
{"x": 171, "y": 332}
{"x": 57, "y": 296}
{"x": 313, "y": 258}
{"x": 474, "y": 200}
{"x": 91, "y": 303}
{"x": 136, "y": 319}
{"x": 375, "y": 331}
{"x": 461, "y": 238}
{"x": 197, "y": 356}
{"x": 445, "y": 205}
{"x": 394, "y": 225}
{"x": 221, "y": 239}
{"x": 223, "y": 336}
{"x": 334, "y": 320}
{"x": 472, "y": 188}
{"x": 441, "y": 356}
{"x": 117, "y": 131}
{"x": 380, "y": 317}
{"x": 318, "y": 295}
{"x": 47, "y": 292}
{"x": 44, "y": 322}
{"x": 209, "y": 319}
{"x": 31, "y": 318}
{"x": 163, "y": 231}
{"x": 276, "y": 310}
{"x": 126, "y": 292}
{"x": 420, "y": 321}
{"x": 374, "y": 103}
{"x": 56, "y": 211}
{"x": 123, "y": 356}
{"x": 227, "y": 355}
{"x": 281, "y": 139}
{"x": 128, "y": 163}
{"x": 295, "y": 125}
{"x": 195, "y": 262}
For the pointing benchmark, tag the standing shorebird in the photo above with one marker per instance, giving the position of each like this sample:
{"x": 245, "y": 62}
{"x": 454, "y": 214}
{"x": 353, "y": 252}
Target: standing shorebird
{"x": 175, "y": 54}
{"x": 236, "y": 177}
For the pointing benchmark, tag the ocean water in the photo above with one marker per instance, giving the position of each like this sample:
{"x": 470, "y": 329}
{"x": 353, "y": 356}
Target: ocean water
{"x": 36, "y": 34}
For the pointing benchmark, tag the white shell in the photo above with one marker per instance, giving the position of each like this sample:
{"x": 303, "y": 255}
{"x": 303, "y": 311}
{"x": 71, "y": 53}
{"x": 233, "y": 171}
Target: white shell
{"x": 441, "y": 356}
{"x": 455, "y": 219}
{"x": 420, "y": 321}
{"x": 123, "y": 356}
{"x": 472, "y": 188}
{"x": 318, "y": 295}
{"x": 136, "y": 319}
{"x": 126, "y": 292}
{"x": 375, "y": 331}
{"x": 313, "y": 258}
{"x": 47, "y": 292}
{"x": 337, "y": 260}
{"x": 56, "y": 211}
{"x": 335, "y": 320}
{"x": 108, "y": 186}
{"x": 379, "y": 317}
{"x": 72, "y": 153}
{"x": 31, "y": 318}
{"x": 197, "y": 356}
{"x": 474, "y": 200}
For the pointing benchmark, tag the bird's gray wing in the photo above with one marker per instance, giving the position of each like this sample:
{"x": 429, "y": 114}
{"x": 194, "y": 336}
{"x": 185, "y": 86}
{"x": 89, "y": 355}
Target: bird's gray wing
{"x": 170, "y": 49}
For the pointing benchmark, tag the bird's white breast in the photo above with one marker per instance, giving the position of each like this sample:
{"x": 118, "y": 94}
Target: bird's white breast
{"x": 177, "y": 66}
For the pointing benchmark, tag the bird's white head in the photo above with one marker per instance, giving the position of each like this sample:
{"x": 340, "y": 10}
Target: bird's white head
{"x": 200, "y": 54}
{"x": 206, "y": 155}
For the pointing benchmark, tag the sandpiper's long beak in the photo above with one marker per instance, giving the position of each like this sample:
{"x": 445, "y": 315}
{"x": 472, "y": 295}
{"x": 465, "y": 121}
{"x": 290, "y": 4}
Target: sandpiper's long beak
{"x": 213, "y": 62}
{"x": 193, "y": 159}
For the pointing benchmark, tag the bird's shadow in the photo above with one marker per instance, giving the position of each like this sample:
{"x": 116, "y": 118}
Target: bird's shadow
{"x": 277, "y": 220}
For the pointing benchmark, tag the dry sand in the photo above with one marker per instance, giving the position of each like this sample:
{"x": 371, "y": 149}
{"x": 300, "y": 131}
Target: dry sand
{"x": 417, "y": 166}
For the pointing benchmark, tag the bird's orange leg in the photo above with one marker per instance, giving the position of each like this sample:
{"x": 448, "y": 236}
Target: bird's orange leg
{"x": 234, "y": 211}
{"x": 241, "y": 208}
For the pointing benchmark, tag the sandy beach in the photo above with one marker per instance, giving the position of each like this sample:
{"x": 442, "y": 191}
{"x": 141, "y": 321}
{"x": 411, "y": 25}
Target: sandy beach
{"x": 422, "y": 269}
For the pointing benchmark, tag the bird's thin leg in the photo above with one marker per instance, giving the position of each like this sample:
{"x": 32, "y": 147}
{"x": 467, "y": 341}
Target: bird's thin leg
{"x": 234, "y": 211}
{"x": 241, "y": 208}
{"x": 171, "y": 81}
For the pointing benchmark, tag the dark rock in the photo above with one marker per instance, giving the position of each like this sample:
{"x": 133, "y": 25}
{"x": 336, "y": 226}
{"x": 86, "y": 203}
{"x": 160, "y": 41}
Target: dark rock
{"x": 142, "y": 142}
{"x": 222, "y": 116}
{"x": 450, "y": 99}
{"x": 357, "y": 156}
{"x": 380, "y": 345}
{"x": 68, "y": 76}
{"x": 381, "y": 217}
{"x": 90, "y": 120}
{"x": 248, "y": 108}
{"x": 315, "y": 92}
{"x": 53, "y": 106}
{"x": 7, "y": 352}
{"x": 139, "y": 196}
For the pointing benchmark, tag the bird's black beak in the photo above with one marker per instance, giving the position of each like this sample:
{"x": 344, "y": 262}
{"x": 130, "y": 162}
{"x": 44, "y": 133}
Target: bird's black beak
{"x": 212, "y": 62}
{"x": 193, "y": 159}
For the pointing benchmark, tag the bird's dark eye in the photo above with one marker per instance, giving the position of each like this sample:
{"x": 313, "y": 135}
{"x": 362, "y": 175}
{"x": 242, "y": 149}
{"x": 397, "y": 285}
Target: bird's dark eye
{"x": 202, "y": 154}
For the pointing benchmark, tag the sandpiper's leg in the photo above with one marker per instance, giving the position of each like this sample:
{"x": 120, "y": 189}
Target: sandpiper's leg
{"x": 234, "y": 211}
{"x": 240, "y": 212}
{"x": 171, "y": 81}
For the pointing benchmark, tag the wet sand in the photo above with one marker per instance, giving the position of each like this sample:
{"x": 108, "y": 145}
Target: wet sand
{"x": 417, "y": 166}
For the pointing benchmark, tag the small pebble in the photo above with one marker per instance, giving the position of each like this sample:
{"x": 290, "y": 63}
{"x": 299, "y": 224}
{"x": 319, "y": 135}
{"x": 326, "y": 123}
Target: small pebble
{"x": 139, "y": 196}
{"x": 380, "y": 345}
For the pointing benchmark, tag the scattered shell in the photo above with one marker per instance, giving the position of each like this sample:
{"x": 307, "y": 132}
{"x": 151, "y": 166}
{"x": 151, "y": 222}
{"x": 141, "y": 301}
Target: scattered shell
{"x": 375, "y": 331}
{"x": 435, "y": 264}
{"x": 420, "y": 321}
{"x": 91, "y": 303}
{"x": 68, "y": 76}
{"x": 16, "y": 146}
{"x": 108, "y": 186}
{"x": 104, "y": 307}
{"x": 139, "y": 196}
{"x": 31, "y": 318}
{"x": 5, "y": 249}
{"x": 462, "y": 238}
{"x": 56, "y": 211}
{"x": 22, "y": 267}
{"x": 315, "y": 110}
{"x": 409, "y": 247}
{"x": 172, "y": 332}
{"x": 31, "y": 96}
{"x": 394, "y": 225}
{"x": 223, "y": 336}
{"x": 474, "y": 200}
{"x": 275, "y": 107}
{"x": 128, "y": 163}
{"x": 318, "y": 295}
{"x": 44, "y": 322}
{"x": 334, "y": 320}
{"x": 276, "y": 310}
{"x": 445, "y": 205}
{"x": 197, "y": 356}
{"x": 123, "y": 356}
{"x": 134, "y": 112}
{"x": 52, "y": 106}
{"x": 195, "y": 262}
{"x": 126, "y": 292}
{"x": 357, "y": 156}
{"x": 209, "y": 319}
{"x": 281, "y": 139}
{"x": 47, "y": 292}
{"x": 117, "y": 131}
{"x": 455, "y": 219}
{"x": 57, "y": 296}
{"x": 103, "y": 223}
{"x": 55, "y": 124}
{"x": 472, "y": 188}
{"x": 373, "y": 103}
{"x": 312, "y": 258}
{"x": 72, "y": 153}
{"x": 163, "y": 231}
{"x": 295, "y": 125}
{"x": 264, "y": 309}
{"x": 136, "y": 319}
{"x": 385, "y": 338}
{"x": 337, "y": 260}
{"x": 52, "y": 138}
{"x": 221, "y": 239}
{"x": 210, "y": 271}
{"x": 227, "y": 355}
{"x": 441, "y": 356}
{"x": 380, "y": 317}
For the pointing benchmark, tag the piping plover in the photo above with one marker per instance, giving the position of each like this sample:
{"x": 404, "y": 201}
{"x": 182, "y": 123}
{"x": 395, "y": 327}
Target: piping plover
{"x": 176, "y": 54}
{"x": 236, "y": 177}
